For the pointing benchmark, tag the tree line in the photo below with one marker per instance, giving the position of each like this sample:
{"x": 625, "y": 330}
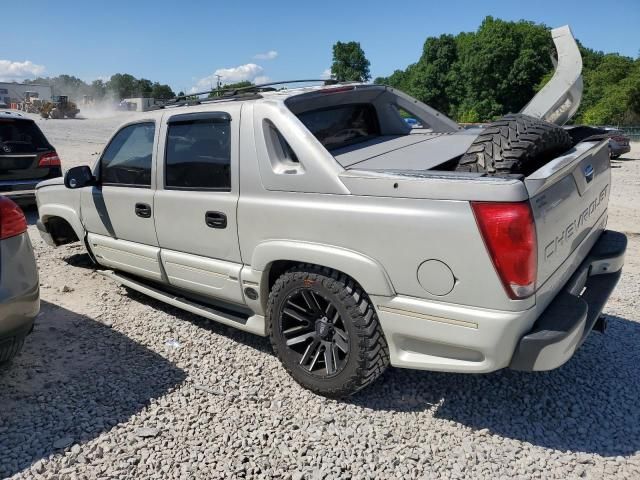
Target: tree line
{"x": 119, "y": 86}
{"x": 482, "y": 75}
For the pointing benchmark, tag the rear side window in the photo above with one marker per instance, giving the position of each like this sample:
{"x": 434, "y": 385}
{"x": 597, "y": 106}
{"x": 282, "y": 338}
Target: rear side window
{"x": 21, "y": 136}
{"x": 127, "y": 159}
{"x": 198, "y": 152}
{"x": 342, "y": 125}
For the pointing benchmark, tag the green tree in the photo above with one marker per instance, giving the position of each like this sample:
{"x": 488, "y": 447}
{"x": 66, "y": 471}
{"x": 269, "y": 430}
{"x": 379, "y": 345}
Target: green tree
{"x": 476, "y": 76}
{"x": 429, "y": 79}
{"x": 123, "y": 85}
{"x": 349, "y": 62}
{"x": 97, "y": 89}
{"x": 161, "y": 91}
{"x": 618, "y": 102}
{"x": 144, "y": 88}
{"x": 607, "y": 71}
{"x": 502, "y": 64}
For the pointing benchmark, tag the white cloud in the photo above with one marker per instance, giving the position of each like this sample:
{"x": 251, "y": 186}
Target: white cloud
{"x": 261, "y": 79}
{"x": 326, "y": 73}
{"x": 18, "y": 71}
{"x": 270, "y": 55}
{"x": 248, "y": 72}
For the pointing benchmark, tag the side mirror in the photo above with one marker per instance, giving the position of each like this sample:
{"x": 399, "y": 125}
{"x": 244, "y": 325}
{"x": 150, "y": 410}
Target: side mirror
{"x": 78, "y": 177}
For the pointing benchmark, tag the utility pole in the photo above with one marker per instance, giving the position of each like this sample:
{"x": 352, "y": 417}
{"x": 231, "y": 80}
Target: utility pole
{"x": 218, "y": 83}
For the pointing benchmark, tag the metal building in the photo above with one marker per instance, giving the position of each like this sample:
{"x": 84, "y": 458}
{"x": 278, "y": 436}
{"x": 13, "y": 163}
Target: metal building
{"x": 12, "y": 92}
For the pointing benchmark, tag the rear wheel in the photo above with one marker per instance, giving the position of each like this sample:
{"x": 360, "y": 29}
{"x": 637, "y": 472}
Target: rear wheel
{"x": 515, "y": 144}
{"x": 325, "y": 331}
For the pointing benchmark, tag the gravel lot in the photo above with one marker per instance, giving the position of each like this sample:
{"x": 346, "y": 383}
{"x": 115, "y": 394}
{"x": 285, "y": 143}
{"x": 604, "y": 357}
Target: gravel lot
{"x": 112, "y": 384}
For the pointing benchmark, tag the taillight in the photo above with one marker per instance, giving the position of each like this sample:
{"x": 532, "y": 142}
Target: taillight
{"x": 49, "y": 160}
{"x": 510, "y": 237}
{"x": 12, "y": 221}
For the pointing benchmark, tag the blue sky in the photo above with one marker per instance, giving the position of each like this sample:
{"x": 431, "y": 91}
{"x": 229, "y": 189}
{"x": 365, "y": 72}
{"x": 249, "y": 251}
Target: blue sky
{"x": 185, "y": 43}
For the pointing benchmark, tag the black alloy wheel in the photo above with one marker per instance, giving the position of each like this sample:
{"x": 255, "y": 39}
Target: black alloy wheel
{"x": 315, "y": 332}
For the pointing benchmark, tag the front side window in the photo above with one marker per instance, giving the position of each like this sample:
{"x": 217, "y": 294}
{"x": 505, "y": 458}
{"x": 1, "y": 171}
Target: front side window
{"x": 127, "y": 159}
{"x": 198, "y": 153}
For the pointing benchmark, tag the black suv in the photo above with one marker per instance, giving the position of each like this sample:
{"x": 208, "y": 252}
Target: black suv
{"x": 26, "y": 156}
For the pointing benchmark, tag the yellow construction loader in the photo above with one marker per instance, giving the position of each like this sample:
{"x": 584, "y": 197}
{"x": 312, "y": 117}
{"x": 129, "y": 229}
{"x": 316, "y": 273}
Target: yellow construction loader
{"x": 59, "y": 107}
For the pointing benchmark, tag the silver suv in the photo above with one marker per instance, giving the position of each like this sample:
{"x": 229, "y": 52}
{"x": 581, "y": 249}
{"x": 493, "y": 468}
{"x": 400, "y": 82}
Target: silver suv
{"x": 318, "y": 217}
{"x": 19, "y": 285}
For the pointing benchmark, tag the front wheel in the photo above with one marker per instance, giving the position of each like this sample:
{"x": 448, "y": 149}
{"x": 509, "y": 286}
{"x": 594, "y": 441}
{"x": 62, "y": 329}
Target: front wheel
{"x": 325, "y": 331}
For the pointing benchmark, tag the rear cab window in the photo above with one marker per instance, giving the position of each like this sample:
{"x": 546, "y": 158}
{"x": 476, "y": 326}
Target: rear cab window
{"x": 127, "y": 159}
{"x": 342, "y": 125}
{"x": 21, "y": 136}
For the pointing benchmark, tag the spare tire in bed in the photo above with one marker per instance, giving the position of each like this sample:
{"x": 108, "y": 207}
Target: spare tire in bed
{"x": 515, "y": 144}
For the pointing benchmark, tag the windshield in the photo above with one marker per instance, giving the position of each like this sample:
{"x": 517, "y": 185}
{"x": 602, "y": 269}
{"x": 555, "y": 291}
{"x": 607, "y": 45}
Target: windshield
{"x": 342, "y": 125}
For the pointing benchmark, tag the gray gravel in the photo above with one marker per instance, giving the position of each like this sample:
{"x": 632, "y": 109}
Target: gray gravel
{"x": 115, "y": 385}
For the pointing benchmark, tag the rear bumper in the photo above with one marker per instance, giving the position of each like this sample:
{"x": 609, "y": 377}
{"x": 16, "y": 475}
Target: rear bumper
{"x": 570, "y": 317}
{"x": 17, "y": 189}
{"x": 433, "y": 335}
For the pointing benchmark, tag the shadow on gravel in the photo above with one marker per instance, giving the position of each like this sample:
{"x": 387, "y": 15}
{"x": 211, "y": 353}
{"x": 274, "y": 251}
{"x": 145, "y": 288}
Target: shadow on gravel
{"x": 623, "y": 159}
{"x": 250, "y": 340}
{"x": 74, "y": 380}
{"x": 80, "y": 260}
{"x": 588, "y": 405}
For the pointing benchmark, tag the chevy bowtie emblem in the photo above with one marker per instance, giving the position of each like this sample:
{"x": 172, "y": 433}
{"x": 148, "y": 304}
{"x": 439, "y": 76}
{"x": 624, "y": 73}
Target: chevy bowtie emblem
{"x": 588, "y": 173}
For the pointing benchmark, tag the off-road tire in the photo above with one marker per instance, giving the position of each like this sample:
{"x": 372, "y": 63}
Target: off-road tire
{"x": 515, "y": 144}
{"x": 368, "y": 354}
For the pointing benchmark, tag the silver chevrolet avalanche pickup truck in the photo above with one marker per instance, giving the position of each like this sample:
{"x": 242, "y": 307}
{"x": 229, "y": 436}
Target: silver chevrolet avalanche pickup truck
{"x": 318, "y": 217}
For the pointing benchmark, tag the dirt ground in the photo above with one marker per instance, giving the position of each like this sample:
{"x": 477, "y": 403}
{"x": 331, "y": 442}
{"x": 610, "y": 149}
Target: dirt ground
{"x": 112, "y": 384}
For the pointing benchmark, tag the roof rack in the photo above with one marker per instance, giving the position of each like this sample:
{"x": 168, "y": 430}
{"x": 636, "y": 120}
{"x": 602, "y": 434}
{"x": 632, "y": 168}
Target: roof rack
{"x": 250, "y": 91}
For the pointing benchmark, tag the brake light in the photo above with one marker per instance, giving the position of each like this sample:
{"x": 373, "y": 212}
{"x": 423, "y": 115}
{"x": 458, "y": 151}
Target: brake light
{"x": 619, "y": 139}
{"x": 12, "y": 221}
{"x": 49, "y": 160}
{"x": 510, "y": 237}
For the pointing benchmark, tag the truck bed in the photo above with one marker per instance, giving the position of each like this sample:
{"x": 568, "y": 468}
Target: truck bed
{"x": 416, "y": 151}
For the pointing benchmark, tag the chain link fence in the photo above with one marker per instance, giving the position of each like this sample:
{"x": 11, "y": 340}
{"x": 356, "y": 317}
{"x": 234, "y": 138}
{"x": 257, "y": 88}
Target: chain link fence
{"x": 632, "y": 132}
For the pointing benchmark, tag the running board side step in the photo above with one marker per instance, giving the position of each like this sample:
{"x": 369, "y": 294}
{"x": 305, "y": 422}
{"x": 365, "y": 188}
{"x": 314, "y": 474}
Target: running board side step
{"x": 254, "y": 324}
